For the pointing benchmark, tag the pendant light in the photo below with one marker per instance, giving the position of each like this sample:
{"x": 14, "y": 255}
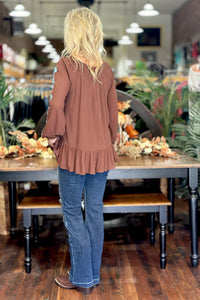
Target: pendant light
{"x": 55, "y": 59}
{"x": 42, "y": 41}
{"x": 52, "y": 55}
{"x": 134, "y": 28}
{"x": 33, "y": 29}
{"x": 48, "y": 49}
{"x": 125, "y": 40}
{"x": 148, "y": 11}
{"x": 19, "y": 12}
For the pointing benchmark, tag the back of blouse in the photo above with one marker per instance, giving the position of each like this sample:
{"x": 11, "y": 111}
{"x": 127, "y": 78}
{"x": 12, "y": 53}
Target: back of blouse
{"x": 83, "y": 114}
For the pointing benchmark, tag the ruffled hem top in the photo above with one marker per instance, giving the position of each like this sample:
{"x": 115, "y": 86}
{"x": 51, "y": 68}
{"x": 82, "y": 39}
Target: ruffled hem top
{"x": 83, "y": 115}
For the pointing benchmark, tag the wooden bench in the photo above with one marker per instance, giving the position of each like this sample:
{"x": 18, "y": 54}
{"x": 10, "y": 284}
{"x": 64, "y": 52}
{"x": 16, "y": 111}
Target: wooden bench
{"x": 115, "y": 203}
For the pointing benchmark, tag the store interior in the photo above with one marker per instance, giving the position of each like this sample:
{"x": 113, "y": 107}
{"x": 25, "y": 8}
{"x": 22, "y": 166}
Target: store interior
{"x": 172, "y": 41}
{"x": 153, "y": 48}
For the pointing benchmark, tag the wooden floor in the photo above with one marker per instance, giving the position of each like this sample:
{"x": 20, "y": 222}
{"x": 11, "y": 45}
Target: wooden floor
{"x": 130, "y": 266}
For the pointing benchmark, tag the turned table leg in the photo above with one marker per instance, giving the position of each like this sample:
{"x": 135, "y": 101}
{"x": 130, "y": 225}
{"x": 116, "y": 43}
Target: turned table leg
{"x": 193, "y": 189}
{"x": 27, "y": 239}
{"x": 171, "y": 191}
{"x": 12, "y": 202}
{"x": 163, "y": 222}
{"x": 163, "y": 255}
{"x": 152, "y": 229}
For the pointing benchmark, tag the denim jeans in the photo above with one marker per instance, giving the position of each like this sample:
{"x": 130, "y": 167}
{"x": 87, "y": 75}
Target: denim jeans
{"x": 85, "y": 234}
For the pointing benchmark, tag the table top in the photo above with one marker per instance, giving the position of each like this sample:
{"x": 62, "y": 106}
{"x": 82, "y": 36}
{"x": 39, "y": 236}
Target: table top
{"x": 125, "y": 162}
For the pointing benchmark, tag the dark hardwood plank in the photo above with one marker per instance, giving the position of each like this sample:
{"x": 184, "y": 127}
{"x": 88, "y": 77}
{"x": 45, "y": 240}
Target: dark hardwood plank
{"x": 130, "y": 266}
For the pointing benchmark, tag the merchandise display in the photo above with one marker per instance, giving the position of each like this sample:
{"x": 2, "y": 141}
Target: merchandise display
{"x": 13, "y": 64}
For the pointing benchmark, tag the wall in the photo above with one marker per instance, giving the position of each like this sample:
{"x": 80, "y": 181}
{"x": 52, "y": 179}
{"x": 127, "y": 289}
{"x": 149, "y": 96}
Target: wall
{"x": 186, "y": 23}
{"x": 17, "y": 43}
{"x": 133, "y": 53}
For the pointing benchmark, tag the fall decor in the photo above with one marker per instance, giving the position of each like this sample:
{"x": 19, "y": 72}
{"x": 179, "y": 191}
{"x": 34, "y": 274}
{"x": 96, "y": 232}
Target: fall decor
{"x": 126, "y": 129}
{"x": 28, "y": 147}
{"x": 143, "y": 146}
{"x": 131, "y": 131}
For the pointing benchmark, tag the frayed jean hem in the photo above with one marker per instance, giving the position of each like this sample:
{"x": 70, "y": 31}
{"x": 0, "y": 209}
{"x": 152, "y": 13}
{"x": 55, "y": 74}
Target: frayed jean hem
{"x": 85, "y": 285}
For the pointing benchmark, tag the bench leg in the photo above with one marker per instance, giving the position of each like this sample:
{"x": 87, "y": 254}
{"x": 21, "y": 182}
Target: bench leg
{"x": 152, "y": 229}
{"x": 27, "y": 239}
{"x": 35, "y": 232}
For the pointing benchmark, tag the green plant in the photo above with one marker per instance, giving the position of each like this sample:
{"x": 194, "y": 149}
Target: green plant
{"x": 187, "y": 137}
{"x": 164, "y": 99}
{"x": 10, "y": 94}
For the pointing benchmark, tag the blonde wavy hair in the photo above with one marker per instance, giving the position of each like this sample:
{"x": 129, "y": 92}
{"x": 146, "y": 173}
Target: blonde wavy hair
{"x": 83, "y": 37}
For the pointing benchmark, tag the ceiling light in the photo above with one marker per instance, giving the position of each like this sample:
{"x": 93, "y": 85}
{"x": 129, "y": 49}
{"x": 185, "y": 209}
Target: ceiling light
{"x": 125, "y": 40}
{"x": 19, "y": 12}
{"x": 148, "y": 11}
{"x": 48, "y": 49}
{"x": 134, "y": 28}
{"x": 42, "y": 41}
{"x": 55, "y": 59}
{"x": 33, "y": 29}
{"x": 52, "y": 54}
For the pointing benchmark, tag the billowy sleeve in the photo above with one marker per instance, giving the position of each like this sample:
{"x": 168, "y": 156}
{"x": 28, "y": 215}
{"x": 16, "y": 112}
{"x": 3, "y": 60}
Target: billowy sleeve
{"x": 55, "y": 125}
{"x": 113, "y": 111}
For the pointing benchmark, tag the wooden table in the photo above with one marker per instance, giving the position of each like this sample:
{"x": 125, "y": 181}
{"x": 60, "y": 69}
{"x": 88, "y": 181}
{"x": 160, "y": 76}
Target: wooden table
{"x": 37, "y": 169}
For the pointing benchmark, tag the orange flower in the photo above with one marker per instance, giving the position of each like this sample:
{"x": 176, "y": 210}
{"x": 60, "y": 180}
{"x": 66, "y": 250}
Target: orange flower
{"x": 131, "y": 131}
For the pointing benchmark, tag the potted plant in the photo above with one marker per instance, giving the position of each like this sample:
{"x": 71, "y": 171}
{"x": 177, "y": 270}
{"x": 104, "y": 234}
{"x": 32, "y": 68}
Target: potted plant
{"x": 8, "y": 95}
{"x": 164, "y": 98}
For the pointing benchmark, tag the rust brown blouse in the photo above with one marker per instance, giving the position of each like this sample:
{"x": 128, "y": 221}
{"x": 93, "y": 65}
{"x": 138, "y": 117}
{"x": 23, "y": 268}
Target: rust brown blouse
{"x": 83, "y": 114}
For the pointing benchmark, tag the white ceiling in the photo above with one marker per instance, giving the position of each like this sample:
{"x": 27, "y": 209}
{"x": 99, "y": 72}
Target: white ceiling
{"x": 115, "y": 14}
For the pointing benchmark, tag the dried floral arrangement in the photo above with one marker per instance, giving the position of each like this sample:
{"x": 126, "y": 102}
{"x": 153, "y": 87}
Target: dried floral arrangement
{"x": 143, "y": 146}
{"x": 27, "y": 147}
{"x": 129, "y": 143}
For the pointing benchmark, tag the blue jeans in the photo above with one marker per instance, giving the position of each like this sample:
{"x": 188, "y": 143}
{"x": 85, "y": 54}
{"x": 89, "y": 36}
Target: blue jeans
{"x": 85, "y": 234}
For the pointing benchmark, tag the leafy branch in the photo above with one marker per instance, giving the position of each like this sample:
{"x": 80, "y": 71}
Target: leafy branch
{"x": 164, "y": 99}
{"x": 10, "y": 94}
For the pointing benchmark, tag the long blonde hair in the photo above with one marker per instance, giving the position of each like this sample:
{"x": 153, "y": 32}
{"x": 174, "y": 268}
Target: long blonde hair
{"x": 83, "y": 37}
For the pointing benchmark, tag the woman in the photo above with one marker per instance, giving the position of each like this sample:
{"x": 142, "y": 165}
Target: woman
{"x": 81, "y": 128}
